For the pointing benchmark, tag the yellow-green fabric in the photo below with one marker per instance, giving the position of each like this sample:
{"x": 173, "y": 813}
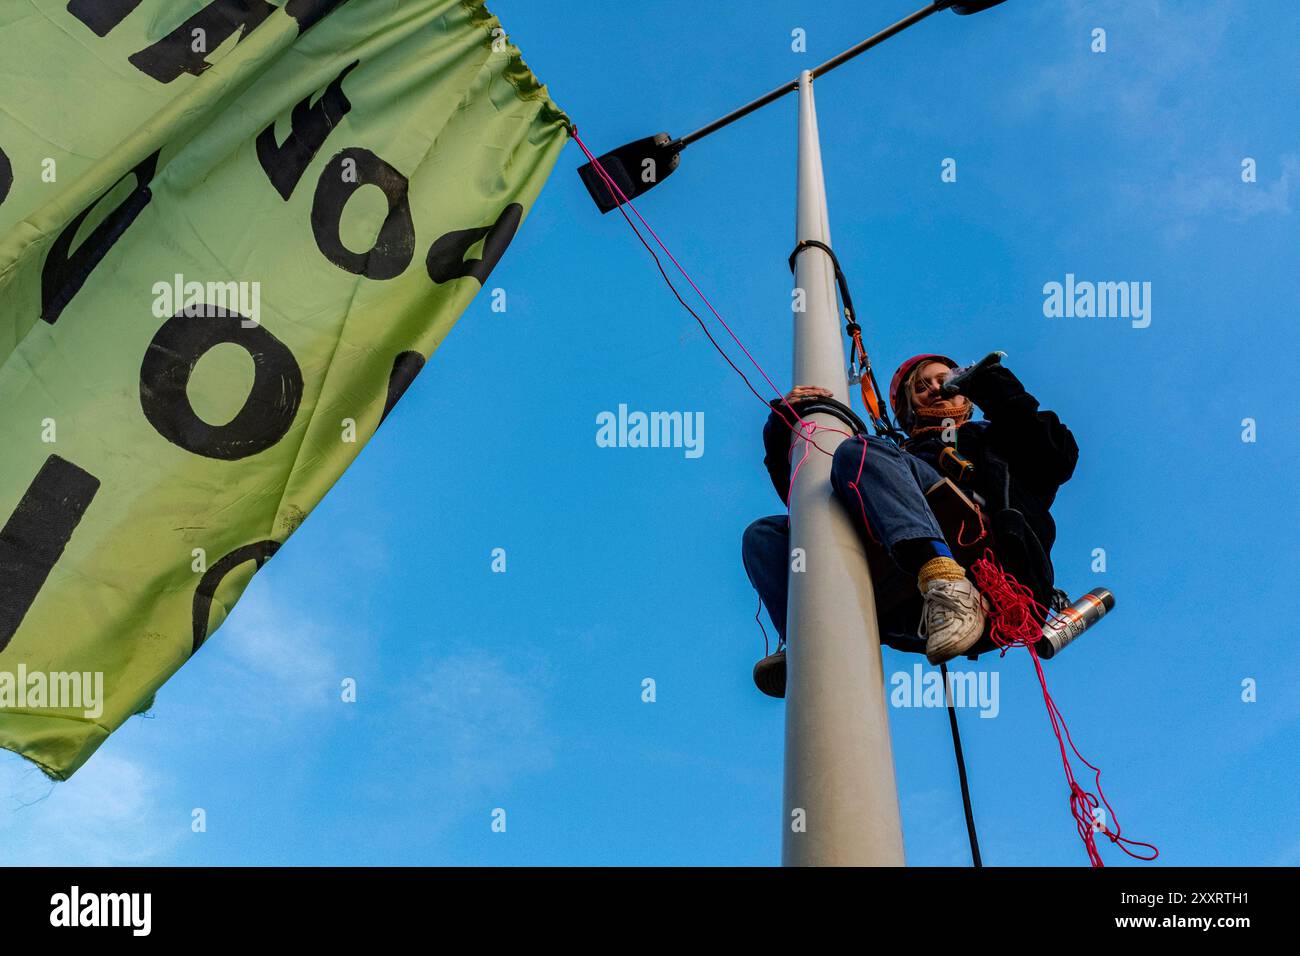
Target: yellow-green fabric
{"x": 365, "y": 163}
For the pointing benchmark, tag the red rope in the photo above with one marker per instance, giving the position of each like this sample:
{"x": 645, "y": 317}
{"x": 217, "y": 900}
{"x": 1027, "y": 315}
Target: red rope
{"x": 623, "y": 200}
{"x": 812, "y": 429}
{"x": 1017, "y": 620}
{"x": 982, "y": 535}
{"x": 854, "y": 484}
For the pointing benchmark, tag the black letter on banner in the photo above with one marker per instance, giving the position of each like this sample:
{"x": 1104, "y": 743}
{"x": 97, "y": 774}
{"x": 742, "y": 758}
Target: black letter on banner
{"x": 6, "y": 175}
{"x": 406, "y": 366}
{"x": 394, "y": 246}
{"x": 37, "y": 532}
{"x": 165, "y": 373}
{"x": 447, "y": 255}
{"x": 174, "y": 54}
{"x": 101, "y": 15}
{"x": 284, "y": 165}
{"x": 309, "y": 12}
{"x": 259, "y": 551}
{"x": 63, "y": 275}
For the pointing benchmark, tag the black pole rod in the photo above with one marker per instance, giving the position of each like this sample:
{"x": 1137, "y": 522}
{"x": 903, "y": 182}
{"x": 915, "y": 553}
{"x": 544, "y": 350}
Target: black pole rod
{"x": 817, "y": 71}
{"x": 880, "y": 37}
{"x": 961, "y": 770}
{"x": 734, "y": 115}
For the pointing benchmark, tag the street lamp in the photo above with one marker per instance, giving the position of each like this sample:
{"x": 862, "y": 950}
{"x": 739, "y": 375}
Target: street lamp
{"x": 642, "y": 164}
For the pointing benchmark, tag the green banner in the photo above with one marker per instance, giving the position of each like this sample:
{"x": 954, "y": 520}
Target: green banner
{"x": 231, "y": 233}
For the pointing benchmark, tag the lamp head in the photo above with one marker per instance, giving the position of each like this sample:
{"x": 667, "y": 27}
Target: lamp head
{"x": 965, "y": 8}
{"x": 635, "y": 169}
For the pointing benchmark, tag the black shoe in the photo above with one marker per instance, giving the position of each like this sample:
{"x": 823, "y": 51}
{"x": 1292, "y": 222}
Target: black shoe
{"x": 769, "y": 675}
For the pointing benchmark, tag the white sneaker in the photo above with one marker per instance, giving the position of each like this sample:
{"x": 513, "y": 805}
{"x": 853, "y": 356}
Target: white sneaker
{"x": 952, "y": 620}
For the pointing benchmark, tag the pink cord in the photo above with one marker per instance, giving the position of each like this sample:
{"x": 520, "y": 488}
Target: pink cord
{"x": 623, "y": 200}
{"x": 855, "y": 484}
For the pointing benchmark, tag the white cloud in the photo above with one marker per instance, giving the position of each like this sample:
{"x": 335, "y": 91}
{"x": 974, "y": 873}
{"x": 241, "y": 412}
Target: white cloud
{"x": 113, "y": 812}
{"x": 1153, "y": 47}
{"x": 1152, "y": 87}
{"x": 1226, "y": 195}
{"x": 274, "y": 658}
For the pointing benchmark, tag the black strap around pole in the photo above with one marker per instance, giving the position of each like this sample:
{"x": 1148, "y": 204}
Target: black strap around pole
{"x": 961, "y": 770}
{"x": 850, "y": 316}
{"x": 828, "y": 406}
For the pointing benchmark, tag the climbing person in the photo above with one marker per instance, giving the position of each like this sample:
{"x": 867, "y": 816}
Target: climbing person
{"x": 1011, "y": 464}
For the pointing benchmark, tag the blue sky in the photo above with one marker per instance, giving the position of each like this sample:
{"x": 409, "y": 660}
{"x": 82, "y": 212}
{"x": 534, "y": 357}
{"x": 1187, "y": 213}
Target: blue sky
{"x": 522, "y": 690}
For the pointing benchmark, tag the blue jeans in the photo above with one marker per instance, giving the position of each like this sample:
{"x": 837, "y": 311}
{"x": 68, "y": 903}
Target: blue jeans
{"x": 888, "y": 488}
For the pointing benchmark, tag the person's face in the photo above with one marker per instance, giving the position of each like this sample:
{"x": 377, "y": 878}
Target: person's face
{"x": 925, "y": 387}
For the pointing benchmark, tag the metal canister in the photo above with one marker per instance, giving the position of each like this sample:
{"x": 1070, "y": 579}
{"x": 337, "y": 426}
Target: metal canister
{"x": 1068, "y": 623}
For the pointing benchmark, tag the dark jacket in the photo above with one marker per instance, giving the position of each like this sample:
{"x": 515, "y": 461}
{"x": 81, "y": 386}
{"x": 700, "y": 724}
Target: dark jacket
{"x": 1021, "y": 455}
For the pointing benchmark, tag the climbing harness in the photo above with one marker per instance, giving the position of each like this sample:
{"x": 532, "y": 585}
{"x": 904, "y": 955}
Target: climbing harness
{"x": 1016, "y": 618}
{"x": 859, "y": 372}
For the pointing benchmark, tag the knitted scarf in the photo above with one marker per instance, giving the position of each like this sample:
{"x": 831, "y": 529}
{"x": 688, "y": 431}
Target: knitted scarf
{"x": 930, "y": 420}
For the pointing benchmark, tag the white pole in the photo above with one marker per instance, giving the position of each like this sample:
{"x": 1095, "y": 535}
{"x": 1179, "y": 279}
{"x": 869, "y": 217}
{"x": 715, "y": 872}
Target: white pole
{"x": 840, "y": 801}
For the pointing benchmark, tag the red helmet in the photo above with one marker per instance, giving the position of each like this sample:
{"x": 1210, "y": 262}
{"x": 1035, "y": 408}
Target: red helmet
{"x": 896, "y": 384}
